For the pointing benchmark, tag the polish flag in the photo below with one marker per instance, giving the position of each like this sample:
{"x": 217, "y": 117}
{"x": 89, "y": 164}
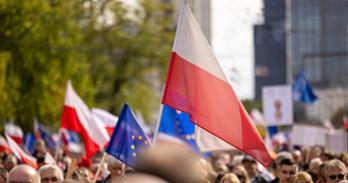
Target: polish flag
{"x": 3, "y": 145}
{"x": 20, "y": 154}
{"x": 78, "y": 118}
{"x": 106, "y": 119}
{"x": 197, "y": 85}
{"x": 15, "y": 132}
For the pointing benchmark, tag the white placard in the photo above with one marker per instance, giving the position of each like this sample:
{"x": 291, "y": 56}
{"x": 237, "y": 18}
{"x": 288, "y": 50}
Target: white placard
{"x": 277, "y": 105}
{"x": 308, "y": 135}
{"x": 336, "y": 141}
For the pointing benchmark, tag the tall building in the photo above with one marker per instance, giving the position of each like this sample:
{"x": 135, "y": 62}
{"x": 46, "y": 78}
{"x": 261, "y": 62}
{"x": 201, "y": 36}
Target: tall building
{"x": 269, "y": 45}
{"x": 316, "y": 33}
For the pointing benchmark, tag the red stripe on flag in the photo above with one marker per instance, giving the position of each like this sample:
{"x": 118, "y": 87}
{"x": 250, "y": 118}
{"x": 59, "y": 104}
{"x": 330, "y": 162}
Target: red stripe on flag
{"x": 213, "y": 105}
{"x": 70, "y": 121}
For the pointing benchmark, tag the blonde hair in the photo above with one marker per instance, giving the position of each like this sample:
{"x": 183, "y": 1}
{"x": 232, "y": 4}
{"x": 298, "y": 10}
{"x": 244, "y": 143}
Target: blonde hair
{"x": 303, "y": 176}
{"x": 230, "y": 177}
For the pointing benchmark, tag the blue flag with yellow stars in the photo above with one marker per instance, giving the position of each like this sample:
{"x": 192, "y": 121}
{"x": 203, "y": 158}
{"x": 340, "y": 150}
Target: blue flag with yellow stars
{"x": 178, "y": 124}
{"x": 128, "y": 138}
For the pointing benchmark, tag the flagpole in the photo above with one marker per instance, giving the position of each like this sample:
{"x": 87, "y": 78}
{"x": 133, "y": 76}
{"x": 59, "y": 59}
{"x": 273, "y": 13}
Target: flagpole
{"x": 158, "y": 119}
{"x": 158, "y": 124}
{"x": 99, "y": 168}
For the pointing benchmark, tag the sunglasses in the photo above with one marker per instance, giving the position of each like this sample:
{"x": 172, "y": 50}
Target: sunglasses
{"x": 334, "y": 177}
{"x": 48, "y": 179}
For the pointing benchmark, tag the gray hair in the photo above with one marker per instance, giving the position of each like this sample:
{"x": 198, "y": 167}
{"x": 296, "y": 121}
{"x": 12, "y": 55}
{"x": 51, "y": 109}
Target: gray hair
{"x": 334, "y": 164}
{"x": 52, "y": 167}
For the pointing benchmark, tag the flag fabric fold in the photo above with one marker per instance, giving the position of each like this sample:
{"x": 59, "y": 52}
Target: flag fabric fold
{"x": 106, "y": 119}
{"x": 197, "y": 85}
{"x": 20, "y": 154}
{"x": 15, "y": 132}
{"x": 302, "y": 90}
{"x": 77, "y": 117}
{"x": 42, "y": 133}
{"x": 3, "y": 145}
{"x": 128, "y": 138}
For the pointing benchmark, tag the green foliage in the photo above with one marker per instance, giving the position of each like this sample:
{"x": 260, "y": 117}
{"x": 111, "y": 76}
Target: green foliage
{"x": 337, "y": 118}
{"x": 252, "y": 104}
{"x": 43, "y": 44}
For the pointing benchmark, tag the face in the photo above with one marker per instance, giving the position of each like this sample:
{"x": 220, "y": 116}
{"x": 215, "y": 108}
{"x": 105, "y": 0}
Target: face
{"x": 251, "y": 168}
{"x": 50, "y": 175}
{"x": 333, "y": 175}
{"x": 116, "y": 169}
{"x": 10, "y": 163}
{"x": 240, "y": 175}
{"x": 286, "y": 173}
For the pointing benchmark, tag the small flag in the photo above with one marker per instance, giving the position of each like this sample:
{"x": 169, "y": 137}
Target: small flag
{"x": 15, "y": 132}
{"x": 29, "y": 143}
{"x": 128, "y": 138}
{"x": 302, "y": 90}
{"x": 3, "y": 145}
{"x": 177, "y": 124}
{"x": 42, "y": 133}
{"x": 20, "y": 154}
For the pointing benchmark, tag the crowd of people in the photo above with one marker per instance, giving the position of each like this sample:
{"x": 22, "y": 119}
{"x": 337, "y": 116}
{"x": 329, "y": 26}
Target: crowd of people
{"x": 171, "y": 162}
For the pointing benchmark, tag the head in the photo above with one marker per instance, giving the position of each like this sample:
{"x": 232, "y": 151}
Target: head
{"x": 229, "y": 178}
{"x": 280, "y": 156}
{"x": 23, "y": 173}
{"x": 297, "y": 156}
{"x": 303, "y": 177}
{"x": 241, "y": 173}
{"x": 115, "y": 167}
{"x": 314, "y": 166}
{"x": 40, "y": 147}
{"x": 250, "y": 166}
{"x": 83, "y": 174}
{"x": 51, "y": 173}
{"x": 10, "y": 162}
{"x": 3, "y": 175}
{"x": 334, "y": 171}
{"x": 287, "y": 171}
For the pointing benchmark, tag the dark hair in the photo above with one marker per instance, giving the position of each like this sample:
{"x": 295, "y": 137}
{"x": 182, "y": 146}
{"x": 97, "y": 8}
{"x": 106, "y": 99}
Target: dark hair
{"x": 248, "y": 159}
{"x": 287, "y": 161}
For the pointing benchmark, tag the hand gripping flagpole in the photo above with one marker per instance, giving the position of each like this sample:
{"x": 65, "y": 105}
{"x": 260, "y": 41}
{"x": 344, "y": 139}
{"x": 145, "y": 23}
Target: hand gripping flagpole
{"x": 99, "y": 168}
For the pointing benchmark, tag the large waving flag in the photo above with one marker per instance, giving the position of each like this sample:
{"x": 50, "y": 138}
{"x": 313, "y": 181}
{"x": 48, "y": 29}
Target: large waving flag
{"x": 128, "y": 138}
{"x": 20, "y": 154}
{"x": 302, "y": 90}
{"x": 106, "y": 119}
{"x": 15, "y": 132}
{"x": 78, "y": 118}
{"x": 197, "y": 85}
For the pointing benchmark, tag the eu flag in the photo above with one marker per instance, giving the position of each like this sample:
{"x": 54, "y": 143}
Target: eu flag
{"x": 302, "y": 91}
{"x": 128, "y": 138}
{"x": 178, "y": 124}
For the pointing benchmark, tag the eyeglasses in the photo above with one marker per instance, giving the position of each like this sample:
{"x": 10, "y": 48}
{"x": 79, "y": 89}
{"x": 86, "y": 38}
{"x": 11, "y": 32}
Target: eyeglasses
{"x": 334, "y": 177}
{"x": 48, "y": 179}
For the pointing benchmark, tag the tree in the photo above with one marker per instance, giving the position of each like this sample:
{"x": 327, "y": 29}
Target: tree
{"x": 109, "y": 60}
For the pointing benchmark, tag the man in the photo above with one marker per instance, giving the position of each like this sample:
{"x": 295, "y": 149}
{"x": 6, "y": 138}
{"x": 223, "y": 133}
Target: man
{"x": 334, "y": 171}
{"x": 314, "y": 170}
{"x": 23, "y": 173}
{"x": 256, "y": 173}
{"x": 116, "y": 169}
{"x": 51, "y": 173}
{"x": 286, "y": 171}
{"x": 10, "y": 162}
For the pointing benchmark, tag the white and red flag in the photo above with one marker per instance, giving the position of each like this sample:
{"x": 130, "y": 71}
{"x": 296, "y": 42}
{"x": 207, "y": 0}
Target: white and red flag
{"x": 106, "y": 119}
{"x": 3, "y": 145}
{"x": 15, "y": 132}
{"x": 197, "y": 85}
{"x": 20, "y": 154}
{"x": 78, "y": 117}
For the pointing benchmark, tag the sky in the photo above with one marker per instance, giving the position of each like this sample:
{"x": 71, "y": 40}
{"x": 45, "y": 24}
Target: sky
{"x": 232, "y": 41}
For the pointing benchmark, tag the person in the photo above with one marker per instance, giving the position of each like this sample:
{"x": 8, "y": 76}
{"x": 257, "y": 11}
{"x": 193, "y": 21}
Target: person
{"x": 23, "y": 173}
{"x": 314, "y": 170}
{"x": 10, "y": 162}
{"x": 230, "y": 178}
{"x": 3, "y": 175}
{"x": 241, "y": 173}
{"x": 303, "y": 177}
{"x": 51, "y": 173}
{"x": 286, "y": 171}
{"x": 40, "y": 149}
{"x": 117, "y": 170}
{"x": 334, "y": 171}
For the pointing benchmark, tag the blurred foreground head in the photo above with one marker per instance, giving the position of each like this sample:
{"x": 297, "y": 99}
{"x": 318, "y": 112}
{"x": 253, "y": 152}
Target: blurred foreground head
{"x": 23, "y": 173}
{"x": 173, "y": 163}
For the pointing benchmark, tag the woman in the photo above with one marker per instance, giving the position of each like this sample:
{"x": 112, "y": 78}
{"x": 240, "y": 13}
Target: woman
{"x": 241, "y": 173}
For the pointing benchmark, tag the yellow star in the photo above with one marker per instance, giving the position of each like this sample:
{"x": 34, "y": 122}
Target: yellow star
{"x": 134, "y": 154}
{"x": 140, "y": 137}
{"x": 132, "y": 147}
